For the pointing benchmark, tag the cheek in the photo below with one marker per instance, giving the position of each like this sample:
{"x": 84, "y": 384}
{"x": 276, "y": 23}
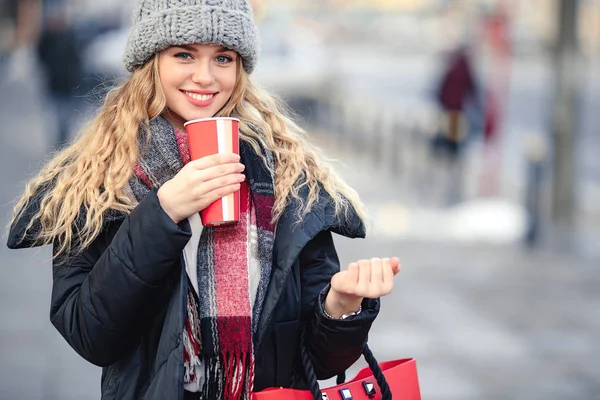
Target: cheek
{"x": 171, "y": 77}
{"x": 228, "y": 80}
{"x": 170, "y": 81}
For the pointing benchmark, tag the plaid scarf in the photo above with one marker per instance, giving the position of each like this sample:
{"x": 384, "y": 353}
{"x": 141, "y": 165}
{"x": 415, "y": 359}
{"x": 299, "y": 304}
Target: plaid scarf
{"x": 234, "y": 266}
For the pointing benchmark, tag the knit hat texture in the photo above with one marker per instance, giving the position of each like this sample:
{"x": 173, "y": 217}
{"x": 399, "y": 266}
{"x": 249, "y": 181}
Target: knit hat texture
{"x": 159, "y": 24}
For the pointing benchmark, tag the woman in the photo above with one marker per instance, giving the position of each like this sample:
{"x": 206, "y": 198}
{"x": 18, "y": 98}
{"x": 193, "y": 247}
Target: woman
{"x": 120, "y": 208}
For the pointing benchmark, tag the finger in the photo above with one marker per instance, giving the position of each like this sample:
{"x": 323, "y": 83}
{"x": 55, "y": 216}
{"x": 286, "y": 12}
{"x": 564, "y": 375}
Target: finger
{"x": 388, "y": 278}
{"x": 352, "y": 276}
{"x": 219, "y": 170}
{"x": 376, "y": 278}
{"x": 348, "y": 285}
{"x": 388, "y": 273}
{"x": 337, "y": 281}
{"x": 395, "y": 264}
{"x": 211, "y": 185}
{"x": 376, "y": 271}
{"x": 214, "y": 159}
{"x": 364, "y": 277}
{"x": 221, "y": 192}
{"x": 387, "y": 287}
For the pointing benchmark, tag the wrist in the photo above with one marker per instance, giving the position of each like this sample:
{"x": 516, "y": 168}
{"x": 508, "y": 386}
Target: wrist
{"x": 164, "y": 205}
{"x": 337, "y": 305}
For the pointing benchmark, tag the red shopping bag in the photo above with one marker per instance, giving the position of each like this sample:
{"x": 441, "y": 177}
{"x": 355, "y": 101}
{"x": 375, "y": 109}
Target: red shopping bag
{"x": 396, "y": 378}
{"x": 401, "y": 376}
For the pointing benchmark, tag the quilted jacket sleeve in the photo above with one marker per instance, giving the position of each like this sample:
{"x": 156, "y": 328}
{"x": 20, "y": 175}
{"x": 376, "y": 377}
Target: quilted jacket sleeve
{"x": 333, "y": 345}
{"x": 103, "y": 297}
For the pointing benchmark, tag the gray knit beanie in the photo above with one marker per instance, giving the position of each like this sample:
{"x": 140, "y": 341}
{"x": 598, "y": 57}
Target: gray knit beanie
{"x": 159, "y": 24}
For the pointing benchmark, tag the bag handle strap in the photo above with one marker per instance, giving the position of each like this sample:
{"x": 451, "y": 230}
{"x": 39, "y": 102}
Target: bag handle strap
{"x": 311, "y": 377}
{"x": 386, "y": 393}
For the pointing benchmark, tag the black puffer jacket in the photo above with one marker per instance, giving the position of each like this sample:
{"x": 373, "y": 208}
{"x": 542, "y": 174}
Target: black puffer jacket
{"x": 121, "y": 303}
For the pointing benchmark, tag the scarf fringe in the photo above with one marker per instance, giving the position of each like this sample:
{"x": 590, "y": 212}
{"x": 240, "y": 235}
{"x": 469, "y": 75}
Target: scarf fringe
{"x": 191, "y": 361}
{"x": 191, "y": 346}
{"x": 229, "y": 377}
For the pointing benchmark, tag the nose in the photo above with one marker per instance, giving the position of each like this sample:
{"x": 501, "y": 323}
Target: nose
{"x": 203, "y": 75}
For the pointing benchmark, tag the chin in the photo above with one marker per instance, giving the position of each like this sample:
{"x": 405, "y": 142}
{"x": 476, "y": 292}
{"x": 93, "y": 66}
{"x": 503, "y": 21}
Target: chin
{"x": 200, "y": 114}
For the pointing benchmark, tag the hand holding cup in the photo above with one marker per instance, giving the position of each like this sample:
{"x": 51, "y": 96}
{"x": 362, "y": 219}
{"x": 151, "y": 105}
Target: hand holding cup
{"x": 200, "y": 183}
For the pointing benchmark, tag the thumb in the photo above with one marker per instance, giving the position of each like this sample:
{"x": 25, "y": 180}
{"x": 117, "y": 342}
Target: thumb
{"x": 337, "y": 280}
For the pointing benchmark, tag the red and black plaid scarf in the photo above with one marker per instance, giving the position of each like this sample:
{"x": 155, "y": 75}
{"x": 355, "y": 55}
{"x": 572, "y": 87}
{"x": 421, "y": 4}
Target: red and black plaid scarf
{"x": 234, "y": 266}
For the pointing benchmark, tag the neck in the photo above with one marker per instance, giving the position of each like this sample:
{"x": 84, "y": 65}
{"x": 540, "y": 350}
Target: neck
{"x": 174, "y": 119}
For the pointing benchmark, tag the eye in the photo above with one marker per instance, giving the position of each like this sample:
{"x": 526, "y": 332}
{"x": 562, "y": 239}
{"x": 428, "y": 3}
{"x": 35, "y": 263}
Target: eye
{"x": 223, "y": 59}
{"x": 183, "y": 55}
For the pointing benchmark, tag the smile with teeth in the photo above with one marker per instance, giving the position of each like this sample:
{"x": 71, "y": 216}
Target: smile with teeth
{"x": 199, "y": 97}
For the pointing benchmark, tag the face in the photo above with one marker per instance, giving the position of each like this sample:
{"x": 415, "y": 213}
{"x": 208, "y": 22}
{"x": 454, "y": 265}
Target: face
{"x": 197, "y": 80}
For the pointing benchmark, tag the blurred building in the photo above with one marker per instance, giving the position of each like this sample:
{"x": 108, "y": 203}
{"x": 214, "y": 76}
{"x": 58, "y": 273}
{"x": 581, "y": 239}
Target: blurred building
{"x": 532, "y": 22}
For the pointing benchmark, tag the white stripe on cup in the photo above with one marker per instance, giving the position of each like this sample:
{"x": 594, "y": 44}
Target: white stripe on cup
{"x": 222, "y": 144}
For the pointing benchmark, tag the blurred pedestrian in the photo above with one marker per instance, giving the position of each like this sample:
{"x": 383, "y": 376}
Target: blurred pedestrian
{"x": 19, "y": 30}
{"x": 456, "y": 88}
{"x": 120, "y": 208}
{"x": 8, "y": 22}
{"x": 462, "y": 117}
{"x": 61, "y": 59}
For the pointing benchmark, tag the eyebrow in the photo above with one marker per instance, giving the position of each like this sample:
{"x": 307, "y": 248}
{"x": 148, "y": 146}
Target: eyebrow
{"x": 193, "y": 49}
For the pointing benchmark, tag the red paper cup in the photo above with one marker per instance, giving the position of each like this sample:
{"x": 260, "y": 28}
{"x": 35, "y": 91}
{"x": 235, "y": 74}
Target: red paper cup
{"x": 210, "y": 136}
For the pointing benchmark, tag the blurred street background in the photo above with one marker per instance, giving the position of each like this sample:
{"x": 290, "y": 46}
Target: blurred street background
{"x": 469, "y": 128}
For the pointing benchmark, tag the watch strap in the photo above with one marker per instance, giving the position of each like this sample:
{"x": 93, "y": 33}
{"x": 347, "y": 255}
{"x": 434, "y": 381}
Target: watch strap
{"x": 344, "y": 316}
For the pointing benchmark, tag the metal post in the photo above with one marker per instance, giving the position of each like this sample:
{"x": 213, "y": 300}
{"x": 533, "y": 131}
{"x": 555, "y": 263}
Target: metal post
{"x": 566, "y": 59}
{"x": 536, "y": 166}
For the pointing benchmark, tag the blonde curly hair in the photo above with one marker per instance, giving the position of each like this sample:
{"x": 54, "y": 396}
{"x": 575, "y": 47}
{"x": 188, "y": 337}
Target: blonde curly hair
{"x": 93, "y": 172}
